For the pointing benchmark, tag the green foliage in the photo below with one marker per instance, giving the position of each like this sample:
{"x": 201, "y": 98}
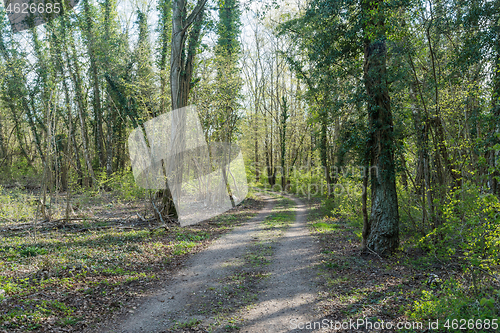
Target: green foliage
{"x": 189, "y": 235}
{"x": 308, "y": 183}
{"x": 324, "y": 227}
{"x": 348, "y": 200}
{"x": 32, "y": 251}
{"x": 468, "y": 236}
{"x": 16, "y": 205}
{"x": 228, "y": 28}
{"x": 18, "y": 170}
{"x": 114, "y": 271}
{"x": 11, "y": 285}
{"x": 470, "y": 230}
{"x": 193, "y": 322}
{"x": 454, "y": 301}
{"x": 183, "y": 247}
{"x": 410, "y": 216}
{"x": 122, "y": 184}
{"x": 328, "y": 205}
{"x": 32, "y": 313}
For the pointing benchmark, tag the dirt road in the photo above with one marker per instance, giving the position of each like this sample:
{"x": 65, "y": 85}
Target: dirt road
{"x": 224, "y": 289}
{"x": 289, "y": 295}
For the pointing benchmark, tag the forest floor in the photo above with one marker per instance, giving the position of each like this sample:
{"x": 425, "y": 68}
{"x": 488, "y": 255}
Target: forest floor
{"x": 291, "y": 268}
{"x": 71, "y": 276}
{"x": 273, "y": 264}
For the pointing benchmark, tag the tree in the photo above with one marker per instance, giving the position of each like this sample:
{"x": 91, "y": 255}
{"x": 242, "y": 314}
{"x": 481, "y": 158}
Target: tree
{"x": 164, "y": 35}
{"x": 384, "y": 218}
{"x": 89, "y": 28}
{"x": 186, "y": 31}
{"x": 331, "y": 36}
{"x": 182, "y": 54}
{"x": 228, "y": 82}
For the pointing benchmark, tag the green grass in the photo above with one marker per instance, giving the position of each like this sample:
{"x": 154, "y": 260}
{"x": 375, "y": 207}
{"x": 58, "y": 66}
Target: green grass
{"x": 324, "y": 227}
{"x": 184, "y": 247}
{"x": 282, "y": 215}
{"x": 189, "y": 235}
{"x": 192, "y": 323}
{"x": 31, "y": 313}
{"x": 60, "y": 266}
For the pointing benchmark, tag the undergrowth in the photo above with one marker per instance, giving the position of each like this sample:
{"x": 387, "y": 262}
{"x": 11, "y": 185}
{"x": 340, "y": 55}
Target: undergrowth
{"x": 455, "y": 264}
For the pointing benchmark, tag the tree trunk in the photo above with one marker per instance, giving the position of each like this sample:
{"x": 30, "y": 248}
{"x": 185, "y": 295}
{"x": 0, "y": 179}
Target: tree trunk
{"x": 165, "y": 13}
{"x": 79, "y": 170}
{"x": 384, "y": 217}
{"x": 95, "y": 83}
{"x": 284, "y": 117}
{"x": 181, "y": 66}
{"x": 81, "y": 106}
{"x": 324, "y": 153}
{"x": 3, "y": 151}
{"x": 256, "y": 149}
{"x": 111, "y": 111}
{"x": 269, "y": 159}
{"x": 366, "y": 221}
{"x": 495, "y": 130}
{"x": 181, "y": 72}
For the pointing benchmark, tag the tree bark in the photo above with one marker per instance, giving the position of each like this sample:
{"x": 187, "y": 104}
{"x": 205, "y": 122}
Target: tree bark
{"x": 181, "y": 66}
{"x": 256, "y": 148}
{"x": 3, "y": 151}
{"x": 324, "y": 153}
{"x": 366, "y": 221}
{"x": 284, "y": 117}
{"x": 165, "y": 9}
{"x": 495, "y": 130}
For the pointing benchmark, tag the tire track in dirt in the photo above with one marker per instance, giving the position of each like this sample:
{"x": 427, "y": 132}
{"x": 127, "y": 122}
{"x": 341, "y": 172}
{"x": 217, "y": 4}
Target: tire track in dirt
{"x": 159, "y": 311}
{"x": 289, "y": 295}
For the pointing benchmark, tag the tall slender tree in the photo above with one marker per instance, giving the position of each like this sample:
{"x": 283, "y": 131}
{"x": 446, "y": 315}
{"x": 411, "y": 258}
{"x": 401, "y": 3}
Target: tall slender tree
{"x": 89, "y": 30}
{"x": 186, "y": 31}
{"x": 164, "y": 35}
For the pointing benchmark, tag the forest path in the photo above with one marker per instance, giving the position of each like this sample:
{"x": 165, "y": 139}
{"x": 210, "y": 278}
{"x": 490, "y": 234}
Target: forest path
{"x": 289, "y": 296}
{"x": 203, "y": 295}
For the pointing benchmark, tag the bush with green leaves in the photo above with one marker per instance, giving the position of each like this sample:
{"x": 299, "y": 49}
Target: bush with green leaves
{"x": 122, "y": 184}
{"x": 468, "y": 236}
{"x": 454, "y": 304}
{"x": 306, "y": 182}
{"x": 469, "y": 232}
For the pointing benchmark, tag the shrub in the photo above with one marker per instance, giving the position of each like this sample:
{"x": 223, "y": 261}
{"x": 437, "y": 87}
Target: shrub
{"x": 470, "y": 231}
{"x": 454, "y": 302}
